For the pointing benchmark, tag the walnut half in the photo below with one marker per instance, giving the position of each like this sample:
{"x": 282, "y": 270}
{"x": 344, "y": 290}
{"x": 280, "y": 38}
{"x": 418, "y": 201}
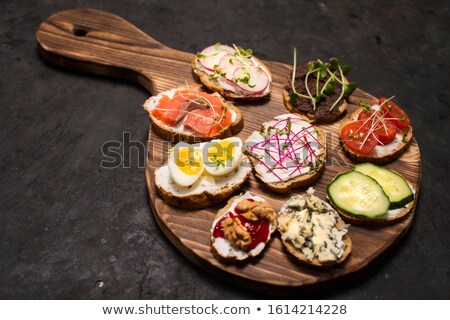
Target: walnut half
{"x": 256, "y": 210}
{"x": 235, "y": 232}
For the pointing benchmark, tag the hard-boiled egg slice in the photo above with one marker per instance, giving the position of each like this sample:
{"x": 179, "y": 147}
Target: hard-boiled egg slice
{"x": 222, "y": 156}
{"x": 185, "y": 164}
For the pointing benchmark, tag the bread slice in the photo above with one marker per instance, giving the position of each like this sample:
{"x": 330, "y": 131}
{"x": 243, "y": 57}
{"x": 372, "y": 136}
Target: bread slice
{"x": 322, "y": 113}
{"x": 381, "y": 154}
{"x": 286, "y": 234}
{"x": 393, "y": 216}
{"x": 179, "y": 133}
{"x": 227, "y": 89}
{"x": 227, "y": 252}
{"x": 296, "y": 181}
{"x": 205, "y": 192}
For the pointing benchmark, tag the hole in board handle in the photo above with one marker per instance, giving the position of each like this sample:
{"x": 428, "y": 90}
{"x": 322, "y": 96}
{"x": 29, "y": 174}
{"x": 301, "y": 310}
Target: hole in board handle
{"x": 79, "y": 32}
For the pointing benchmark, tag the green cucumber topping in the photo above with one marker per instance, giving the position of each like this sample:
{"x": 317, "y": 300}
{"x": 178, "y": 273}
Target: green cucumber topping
{"x": 394, "y": 185}
{"x": 358, "y": 194}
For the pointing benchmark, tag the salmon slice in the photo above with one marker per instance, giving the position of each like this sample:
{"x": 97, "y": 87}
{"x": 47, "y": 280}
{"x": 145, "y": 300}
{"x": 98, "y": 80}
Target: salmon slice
{"x": 208, "y": 122}
{"x": 168, "y": 109}
{"x": 203, "y": 113}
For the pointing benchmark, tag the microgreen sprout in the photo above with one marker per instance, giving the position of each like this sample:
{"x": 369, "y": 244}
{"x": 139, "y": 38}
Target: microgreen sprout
{"x": 295, "y": 94}
{"x": 364, "y": 105}
{"x": 217, "y": 72}
{"x": 244, "y": 79}
{"x": 200, "y": 56}
{"x": 405, "y": 138}
{"x": 218, "y": 162}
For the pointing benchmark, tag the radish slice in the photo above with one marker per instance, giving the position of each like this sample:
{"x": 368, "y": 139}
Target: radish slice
{"x": 257, "y": 79}
{"x": 212, "y": 55}
{"x": 228, "y": 64}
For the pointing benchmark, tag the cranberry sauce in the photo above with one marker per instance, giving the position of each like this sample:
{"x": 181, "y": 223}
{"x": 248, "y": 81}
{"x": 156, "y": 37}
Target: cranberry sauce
{"x": 258, "y": 230}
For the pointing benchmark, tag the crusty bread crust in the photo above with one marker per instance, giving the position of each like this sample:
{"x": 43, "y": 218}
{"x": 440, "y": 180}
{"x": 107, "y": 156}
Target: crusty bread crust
{"x": 170, "y": 134}
{"x": 214, "y": 85}
{"x": 221, "y": 212}
{"x": 199, "y": 200}
{"x": 376, "y": 159}
{"x": 301, "y": 257}
{"x": 299, "y": 181}
{"x": 342, "y": 107}
{"x": 377, "y": 222}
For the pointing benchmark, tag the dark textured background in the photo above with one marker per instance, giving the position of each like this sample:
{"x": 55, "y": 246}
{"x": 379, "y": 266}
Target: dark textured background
{"x": 70, "y": 229}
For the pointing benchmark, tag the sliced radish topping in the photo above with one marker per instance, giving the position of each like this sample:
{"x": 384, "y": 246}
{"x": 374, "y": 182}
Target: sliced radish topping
{"x": 238, "y": 68}
{"x": 251, "y": 79}
{"x": 212, "y": 55}
{"x": 228, "y": 64}
{"x": 211, "y": 50}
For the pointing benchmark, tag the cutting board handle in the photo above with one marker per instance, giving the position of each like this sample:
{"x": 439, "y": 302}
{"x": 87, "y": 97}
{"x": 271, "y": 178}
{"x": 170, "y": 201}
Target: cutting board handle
{"x": 103, "y": 43}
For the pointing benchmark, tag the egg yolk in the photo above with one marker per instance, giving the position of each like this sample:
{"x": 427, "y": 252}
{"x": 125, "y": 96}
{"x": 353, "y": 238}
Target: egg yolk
{"x": 221, "y": 151}
{"x": 189, "y": 161}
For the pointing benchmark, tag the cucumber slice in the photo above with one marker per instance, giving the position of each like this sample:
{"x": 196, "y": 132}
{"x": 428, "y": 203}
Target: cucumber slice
{"x": 358, "y": 194}
{"x": 393, "y": 184}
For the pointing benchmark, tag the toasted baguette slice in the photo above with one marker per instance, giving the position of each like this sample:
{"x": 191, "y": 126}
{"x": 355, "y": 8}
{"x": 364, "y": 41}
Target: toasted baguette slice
{"x": 227, "y": 88}
{"x": 295, "y": 181}
{"x": 286, "y": 219}
{"x": 179, "y": 133}
{"x": 391, "y": 217}
{"x": 381, "y": 154}
{"x": 221, "y": 248}
{"x": 205, "y": 192}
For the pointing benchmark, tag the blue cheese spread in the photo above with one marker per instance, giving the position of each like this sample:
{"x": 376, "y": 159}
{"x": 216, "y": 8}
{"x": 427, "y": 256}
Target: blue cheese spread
{"x": 313, "y": 227}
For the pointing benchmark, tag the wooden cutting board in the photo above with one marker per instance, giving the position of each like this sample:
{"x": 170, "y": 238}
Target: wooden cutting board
{"x": 103, "y": 43}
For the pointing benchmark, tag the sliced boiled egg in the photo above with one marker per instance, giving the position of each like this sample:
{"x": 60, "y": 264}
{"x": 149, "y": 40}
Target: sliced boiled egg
{"x": 222, "y": 156}
{"x": 185, "y": 164}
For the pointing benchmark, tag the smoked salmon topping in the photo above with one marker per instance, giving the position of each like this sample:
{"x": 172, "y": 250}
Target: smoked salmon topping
{"x": 197, "y": 111}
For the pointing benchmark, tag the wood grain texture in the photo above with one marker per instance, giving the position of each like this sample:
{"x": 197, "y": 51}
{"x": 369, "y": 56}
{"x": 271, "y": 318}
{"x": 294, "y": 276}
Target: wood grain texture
{"x": 102, "y": 43}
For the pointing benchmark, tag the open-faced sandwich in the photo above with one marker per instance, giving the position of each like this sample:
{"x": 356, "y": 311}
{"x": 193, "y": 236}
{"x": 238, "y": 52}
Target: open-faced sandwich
{"x": 188, "y": 114}
{"x": 233, "y": 72}
{"x": 288, "y": 152}
{"x": 312, "y": 231}
{"x": 377, "y": 134}
{"x": 318, "y": 90}
{"x": 242, "y": 228}
{"x": 203, "y": 174}
{"x": 371, "y": 195}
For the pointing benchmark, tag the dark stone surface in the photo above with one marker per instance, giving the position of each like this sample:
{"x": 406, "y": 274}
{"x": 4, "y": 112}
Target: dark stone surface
{"x": 70, "y": 229}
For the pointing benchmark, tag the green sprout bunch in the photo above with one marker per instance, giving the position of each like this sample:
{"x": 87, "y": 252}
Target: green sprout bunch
{"x": 332, "y": 73}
